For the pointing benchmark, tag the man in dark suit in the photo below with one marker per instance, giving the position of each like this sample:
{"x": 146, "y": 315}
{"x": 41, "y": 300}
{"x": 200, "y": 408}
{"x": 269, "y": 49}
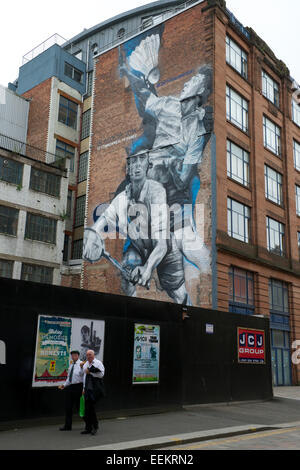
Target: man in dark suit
{"x": 92, "y": 389}
{"x": 73, "y": 389}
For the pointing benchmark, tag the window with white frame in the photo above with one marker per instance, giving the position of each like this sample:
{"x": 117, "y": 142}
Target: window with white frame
{"x": 272, "y": 136}
{"x": 236, "y": 57}
{"x": 238, "y": 216}
{"x": 296, "y": 155}
{"x": 270, "y": 88}
{"x": 236, "y": 109}
{"x": 273, "y": 185}
{"x": 296, "y": 112}
{"x": 237, "y": 163}
{"x": 298, "y": 200}
{"x": 275, "y": 237}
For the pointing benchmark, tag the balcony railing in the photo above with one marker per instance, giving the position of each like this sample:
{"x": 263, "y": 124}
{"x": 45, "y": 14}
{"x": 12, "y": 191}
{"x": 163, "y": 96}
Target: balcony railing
{"x": 55, "y": 39}
{"x": 20, "y": 148}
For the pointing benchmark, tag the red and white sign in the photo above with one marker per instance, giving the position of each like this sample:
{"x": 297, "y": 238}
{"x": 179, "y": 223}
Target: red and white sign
{"x": 251, "y": 346}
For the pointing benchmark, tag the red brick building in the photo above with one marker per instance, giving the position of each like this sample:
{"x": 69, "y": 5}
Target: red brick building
{"x": 216, "y": 115}
{"x": 249, "y": 171}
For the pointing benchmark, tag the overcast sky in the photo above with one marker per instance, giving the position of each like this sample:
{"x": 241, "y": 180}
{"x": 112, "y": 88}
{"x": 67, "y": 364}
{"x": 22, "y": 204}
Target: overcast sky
{"x": 25, "y": 24}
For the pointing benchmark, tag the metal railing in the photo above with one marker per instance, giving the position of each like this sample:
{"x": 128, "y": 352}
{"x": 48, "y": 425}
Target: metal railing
{"x": 54, "y": 39}
{"x": 21, "y": 148}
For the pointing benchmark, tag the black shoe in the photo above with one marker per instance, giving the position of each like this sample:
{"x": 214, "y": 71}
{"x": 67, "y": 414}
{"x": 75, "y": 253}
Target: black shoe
{"x": 65, "y": 429}
{"x": 86, "y": 432}
{"x": 94, "y": 432}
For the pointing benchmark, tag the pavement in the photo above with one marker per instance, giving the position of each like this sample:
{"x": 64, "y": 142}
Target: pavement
{"x": 192, "y": 426}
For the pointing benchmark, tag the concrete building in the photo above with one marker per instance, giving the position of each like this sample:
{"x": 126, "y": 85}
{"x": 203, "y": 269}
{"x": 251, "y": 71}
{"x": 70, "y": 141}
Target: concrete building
{"x": 233, "y": 170}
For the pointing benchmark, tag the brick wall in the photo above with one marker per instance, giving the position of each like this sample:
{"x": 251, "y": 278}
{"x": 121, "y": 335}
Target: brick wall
{"x": 186, "y": 45}
{"x": 39, "y": 114}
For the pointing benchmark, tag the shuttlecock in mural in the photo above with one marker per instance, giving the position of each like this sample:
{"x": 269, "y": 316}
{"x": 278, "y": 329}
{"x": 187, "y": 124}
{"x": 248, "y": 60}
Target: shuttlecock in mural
{"x": 144, "y": 58}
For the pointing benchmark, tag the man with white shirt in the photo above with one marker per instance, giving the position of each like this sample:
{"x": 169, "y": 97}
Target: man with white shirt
{"x": 73, "y": 389}
{"x": 93, "y": 371}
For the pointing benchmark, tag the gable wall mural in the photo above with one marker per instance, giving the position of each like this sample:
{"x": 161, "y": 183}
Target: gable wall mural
{"x": 150, "y": 206}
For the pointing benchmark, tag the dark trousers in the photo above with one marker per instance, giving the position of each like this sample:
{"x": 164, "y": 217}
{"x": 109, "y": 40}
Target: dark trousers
{"x": 73, "y": 394}
{"x": 91, "y": 421}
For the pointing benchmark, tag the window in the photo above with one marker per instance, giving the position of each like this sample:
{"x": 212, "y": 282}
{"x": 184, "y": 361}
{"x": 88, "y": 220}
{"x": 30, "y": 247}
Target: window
{"x": 296, "y": 112}
{"x": 241, "y": 291}
{"x": 34, "y": 273}
{"x": 8, "y": 220}
{"x": 64, "y": 150}
{"x": 80, "y": 211}
{"x": 83, "y": 167}
{"x": 236, "y": 57}
{"x": 237, "y": 109}
{"x": 237, "y": 163}
{"x": 273, "y": 185}
{"x": 298, "y": 200}
{"x": 77, "y": 249}
{"x": 11, "y": 171}
{"x": 279, "y": 304}
{"x": 67, "y": 112}
{"x": 44, "y": 182}
{"x": 272, "y": 136}
{"x": 86, "y": 121}
{"x": 90, "y": 83}
{"x": 275, "y": 237}
{"x": 78, "y": 54}
{"x": 69, "y": 203}
{"x": 6, "y": 268}
{"x": 297, "y": 155}
{"x": 238, "y": 220}
{"x": 73, "y": 73}
{"x": 270, "y": 88}
{"x": 66, "y": 248}
{"x": 40, "y": 228}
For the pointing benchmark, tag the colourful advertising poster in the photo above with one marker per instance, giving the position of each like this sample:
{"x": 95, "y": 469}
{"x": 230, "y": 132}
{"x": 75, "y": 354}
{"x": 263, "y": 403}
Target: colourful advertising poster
{"x": 52, "y": 351}
{"x": 251, "y": 346}
{"x": 56, "y": 338}
{"x": 146, "y": 354}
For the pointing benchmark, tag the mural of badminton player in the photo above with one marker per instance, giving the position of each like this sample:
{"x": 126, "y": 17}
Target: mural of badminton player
{"x": 176, "y": 132}
{"x": 148, "y": 246}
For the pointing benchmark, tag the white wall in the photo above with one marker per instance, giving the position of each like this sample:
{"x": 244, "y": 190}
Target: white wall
{"x": 14, "y": 112}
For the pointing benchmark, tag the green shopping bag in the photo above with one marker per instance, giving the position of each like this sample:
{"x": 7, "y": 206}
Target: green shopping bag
{"x": 82, "y": 407}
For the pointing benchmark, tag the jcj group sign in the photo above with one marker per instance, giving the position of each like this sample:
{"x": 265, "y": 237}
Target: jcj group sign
{"x": 251, "y": 346}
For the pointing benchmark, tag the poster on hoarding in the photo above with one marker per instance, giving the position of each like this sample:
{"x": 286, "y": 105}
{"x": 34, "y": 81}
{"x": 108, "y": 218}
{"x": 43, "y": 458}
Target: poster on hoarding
{"x": 56, "y": 338}
{"x": 146, "y": 354}
{"x": 251, "y": 346}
